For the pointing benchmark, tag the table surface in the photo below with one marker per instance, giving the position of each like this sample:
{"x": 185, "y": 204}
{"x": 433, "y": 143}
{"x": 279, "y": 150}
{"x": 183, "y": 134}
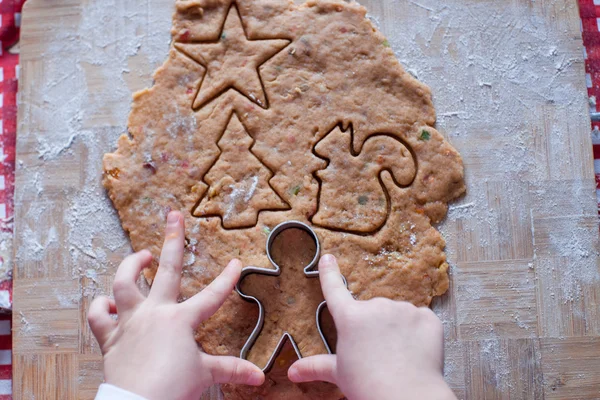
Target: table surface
{"x": 521, "y": 316}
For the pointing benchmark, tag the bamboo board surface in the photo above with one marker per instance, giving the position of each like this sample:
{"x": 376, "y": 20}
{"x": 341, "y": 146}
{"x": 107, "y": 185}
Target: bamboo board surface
{"x": 521, "y": 316}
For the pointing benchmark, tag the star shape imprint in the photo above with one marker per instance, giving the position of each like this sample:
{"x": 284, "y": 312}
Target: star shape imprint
{"x": 232, "y": 62}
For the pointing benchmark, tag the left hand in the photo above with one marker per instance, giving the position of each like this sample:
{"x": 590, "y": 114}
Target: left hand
{"x": 150, "y": 349}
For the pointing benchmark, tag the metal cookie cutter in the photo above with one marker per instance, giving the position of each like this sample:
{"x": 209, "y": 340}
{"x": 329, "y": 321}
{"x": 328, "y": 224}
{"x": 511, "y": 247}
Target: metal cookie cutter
{"x": 308, "y": 272}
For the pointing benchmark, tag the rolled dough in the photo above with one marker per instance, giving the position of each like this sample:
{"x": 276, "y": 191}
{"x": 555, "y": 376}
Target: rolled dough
{"x": 267, "y": 111}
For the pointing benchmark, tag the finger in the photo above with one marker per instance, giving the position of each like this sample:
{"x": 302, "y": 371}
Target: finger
{"x": 315, "y": 368}
{"x": 204, "y": 304}
{"x": 127, "y": 294}
{"x": 233, "y": 370}
{"x": 334, "y": 289}
{"x": 165, "y": 287}
{"x": 99, "y": 318}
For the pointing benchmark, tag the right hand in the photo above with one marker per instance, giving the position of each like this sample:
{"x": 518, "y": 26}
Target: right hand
{"x": 385, "y": 350}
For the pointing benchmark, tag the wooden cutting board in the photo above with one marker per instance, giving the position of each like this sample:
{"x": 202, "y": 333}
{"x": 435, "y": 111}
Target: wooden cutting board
{"x": 521, "y": 316}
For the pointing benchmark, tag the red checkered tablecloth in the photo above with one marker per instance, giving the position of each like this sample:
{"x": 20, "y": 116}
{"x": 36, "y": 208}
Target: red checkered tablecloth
{"x": 10, "y": 18}
{"x": 5, "y": 358}
{"x": 10, "y": 21}
{"x": 590, "y": 26}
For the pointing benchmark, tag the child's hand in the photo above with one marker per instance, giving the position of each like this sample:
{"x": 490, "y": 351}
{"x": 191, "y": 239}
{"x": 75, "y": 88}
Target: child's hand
{"x": 150, "y": 349}
{"x": 385, "y": 349}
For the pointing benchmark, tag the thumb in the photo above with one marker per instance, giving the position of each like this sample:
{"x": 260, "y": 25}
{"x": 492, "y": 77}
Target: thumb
{"x": 322, "y": 367}
{"x": 203, "y": 305}
{"x": 227, "y": 369}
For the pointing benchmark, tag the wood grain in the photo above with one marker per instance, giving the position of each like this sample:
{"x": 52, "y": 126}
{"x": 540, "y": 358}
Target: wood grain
{"x": 521, "y": 315}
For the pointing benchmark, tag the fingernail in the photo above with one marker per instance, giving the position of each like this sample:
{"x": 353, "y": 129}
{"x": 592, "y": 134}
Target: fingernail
{"x": 328, "y": 258}
{"x": 256, "y": 378}
{"x": 146, "y": 253}
{"x": 293, "y": 374}
{"x": 172, "y": 218}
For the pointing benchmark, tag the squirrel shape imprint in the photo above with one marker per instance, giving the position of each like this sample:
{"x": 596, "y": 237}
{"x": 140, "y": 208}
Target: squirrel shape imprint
{"x": 353, "y": 197}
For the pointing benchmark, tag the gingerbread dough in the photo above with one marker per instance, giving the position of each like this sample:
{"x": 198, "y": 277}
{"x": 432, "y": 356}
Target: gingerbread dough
{"x": 267, "y": 111}
{"x": 287, "y": 298}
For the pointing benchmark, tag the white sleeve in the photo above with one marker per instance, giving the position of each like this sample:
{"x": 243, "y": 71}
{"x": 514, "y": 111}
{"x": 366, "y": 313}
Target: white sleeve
{"x": 110, "y": 392}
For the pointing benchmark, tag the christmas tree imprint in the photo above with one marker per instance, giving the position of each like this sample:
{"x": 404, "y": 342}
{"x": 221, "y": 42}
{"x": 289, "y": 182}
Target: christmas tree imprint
{"x": 353, "y": 197}
{"x": 238, "y": 182}
{"x": 232, "y": 62}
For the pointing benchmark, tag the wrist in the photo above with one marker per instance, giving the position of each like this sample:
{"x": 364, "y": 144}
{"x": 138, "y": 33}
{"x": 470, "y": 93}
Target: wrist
{"x": 423, "y": 387}
{"x": 107, "y": 391}
{"x": 426, "y": 388}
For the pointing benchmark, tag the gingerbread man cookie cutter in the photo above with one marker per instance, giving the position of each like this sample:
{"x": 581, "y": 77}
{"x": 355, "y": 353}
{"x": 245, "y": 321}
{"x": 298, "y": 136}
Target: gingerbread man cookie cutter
{"x": 308, "y": 273}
